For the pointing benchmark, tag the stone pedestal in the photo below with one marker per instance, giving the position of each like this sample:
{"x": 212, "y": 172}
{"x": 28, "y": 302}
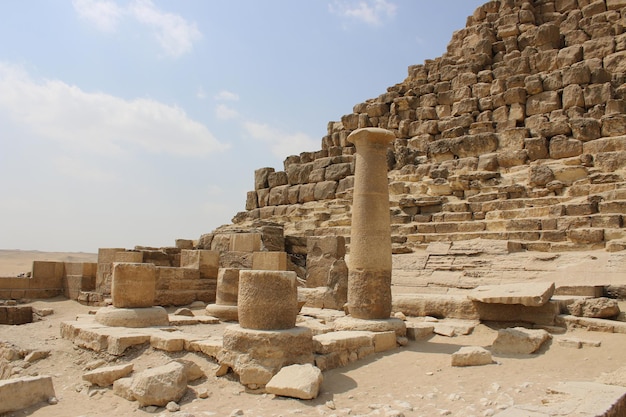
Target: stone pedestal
{"x": 266, "y": 338}
{"x": 133, "y": 285}
{"x": 268, "y": 300}
{"x": 369, "y": 276}
{"x": 132, "y": 317}
{"x": 225, "y": 307}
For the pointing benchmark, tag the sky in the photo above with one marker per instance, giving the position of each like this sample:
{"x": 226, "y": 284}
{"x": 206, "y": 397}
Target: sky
{"x": 139, "y": 122}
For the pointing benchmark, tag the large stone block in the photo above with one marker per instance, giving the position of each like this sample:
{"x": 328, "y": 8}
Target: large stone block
{"x": 268, "y": 300}
{"x": 519, "y": 340}
{"x": 269, "y": 261}
{"x": 297, "y": 381}
{"x": 133, "y": 285}
{"x": 19, "y": 393}
{"x": 544, "y": 102}
{"x": 245, "y": 242}
{"x": 206, "y": 261}
{"x": 14, "y": 315}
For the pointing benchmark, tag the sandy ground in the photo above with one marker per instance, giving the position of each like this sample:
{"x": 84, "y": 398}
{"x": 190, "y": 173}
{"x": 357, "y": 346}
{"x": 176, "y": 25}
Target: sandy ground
{"x": 415, "y": 380}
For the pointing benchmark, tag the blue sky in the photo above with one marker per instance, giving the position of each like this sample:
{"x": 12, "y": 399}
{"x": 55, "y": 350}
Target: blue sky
{"x": 137, "y": 122}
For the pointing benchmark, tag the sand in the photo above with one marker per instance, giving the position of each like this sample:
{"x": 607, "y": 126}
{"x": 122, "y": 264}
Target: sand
{"x": 415, "y": 380}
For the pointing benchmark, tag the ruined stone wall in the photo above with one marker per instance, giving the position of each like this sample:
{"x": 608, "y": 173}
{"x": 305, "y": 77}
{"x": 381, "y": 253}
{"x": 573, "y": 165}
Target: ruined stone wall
{"x": 525, "y": 111}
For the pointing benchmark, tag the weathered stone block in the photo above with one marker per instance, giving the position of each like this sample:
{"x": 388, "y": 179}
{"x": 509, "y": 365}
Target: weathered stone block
{"x": 269, "y": 261}
{"x": 133, "y": 285}
{"x": 544, "y": 102}
{"x": 564, "y": 147}
{"x": 261, "y": 177}
{"x": 267, "y": 300}
{"x": 297, "y": 381}
{"x": 19, "y": 393}
{"x": 519, "y": 340}
{"x": 245, "y": 242}
{"x": 471, "y": 356}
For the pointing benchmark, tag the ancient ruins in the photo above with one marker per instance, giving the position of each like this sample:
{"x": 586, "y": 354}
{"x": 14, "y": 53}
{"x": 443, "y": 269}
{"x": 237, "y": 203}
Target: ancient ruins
{"x": 482, "y": 196}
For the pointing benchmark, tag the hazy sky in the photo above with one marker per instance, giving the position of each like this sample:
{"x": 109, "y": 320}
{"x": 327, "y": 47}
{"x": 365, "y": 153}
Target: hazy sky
{"x": 137, "y": 122}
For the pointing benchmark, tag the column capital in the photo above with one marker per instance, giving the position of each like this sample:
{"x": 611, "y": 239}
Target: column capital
{"x": 372, "y": 135}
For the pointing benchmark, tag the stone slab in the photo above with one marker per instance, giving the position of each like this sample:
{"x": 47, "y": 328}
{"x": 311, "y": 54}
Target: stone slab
{"x": 297, "y": 381}
{"x": 533, "y": 294}
{"x": 371, "y": 325}
{"x": 19, "y": 393}
{"x": 519, "y": 340}
{"x": 132, "y": 317}
{"x": 471, "y": 356}
{"x": 592, "y": 324}
{"x": 103, "y": 377}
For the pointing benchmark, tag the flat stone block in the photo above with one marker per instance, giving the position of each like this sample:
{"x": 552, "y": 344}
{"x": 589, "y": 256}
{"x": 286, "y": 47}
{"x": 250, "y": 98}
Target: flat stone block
{"x": 269, "y": 261}
{"x": 223, "y": 312}
{"x": 544, "y": 315}
{"x": 119, "y": 340}
{"x": 103, "y": 377}
{"x": 297, "y": 381}
{"x": 435, "y": 305}
{"x": 132, "y": 317}
{"x": 417, "y": 331}
{"x": 14, "y": 315}
{"x": 342, "y": 341}
{"x": 211, "y": 347}
{"x": 371, "y": 325}
{"x": 527, "y": 294}
{"x": 471, "y": 356}
{"x": 384, "y": 341}
{"x": 169, "y": 342}
{"x": 19, "y": 393}
{"x": 519, "y": 340}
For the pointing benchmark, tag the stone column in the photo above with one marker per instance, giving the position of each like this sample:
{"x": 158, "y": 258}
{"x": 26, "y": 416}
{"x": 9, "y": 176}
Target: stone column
{"x": 369, "y": 277}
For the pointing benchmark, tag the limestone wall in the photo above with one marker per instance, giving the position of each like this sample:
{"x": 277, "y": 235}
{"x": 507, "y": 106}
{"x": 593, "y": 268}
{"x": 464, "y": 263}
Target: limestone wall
{"x": 516, "y": 132}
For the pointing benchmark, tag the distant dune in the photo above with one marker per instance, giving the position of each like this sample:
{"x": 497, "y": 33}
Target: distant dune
{"x": 14, "y": 262}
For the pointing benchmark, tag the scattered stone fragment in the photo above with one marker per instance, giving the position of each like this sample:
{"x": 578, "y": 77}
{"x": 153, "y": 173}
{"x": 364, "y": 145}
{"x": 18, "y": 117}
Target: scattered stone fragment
{"x": 103, "y": 377}
{"x": 172, "y": 407}
{"x": 471, "y": 356}
{"x": 519, "y": 340}
{"x": 160, "y": 385}
{"x": 184, "y": 312}
{"x": 297, "y": 381}
{"x": 594, "y": 307}
{"x": 36, "y": 355}
{"x": 417, "y": 330}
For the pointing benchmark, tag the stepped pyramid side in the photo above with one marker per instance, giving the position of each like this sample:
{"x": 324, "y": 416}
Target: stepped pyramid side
{"x": 517, "y": 132}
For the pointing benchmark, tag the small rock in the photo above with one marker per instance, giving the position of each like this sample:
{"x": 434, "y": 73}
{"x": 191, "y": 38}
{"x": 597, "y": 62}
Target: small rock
{"x": 36, "y": 355}
{"x": 202, "y": 393}
{"x": 184, "y": 312}
{"x": 331, "y": 405}
{"x": 400, "y": 315}
{"x": 471, "y": 356}
{"x": 53, "y": 400}
{"x": 236, "y": 412}
{"x": 152, "y": 409}
{"x": 172, "y": 407}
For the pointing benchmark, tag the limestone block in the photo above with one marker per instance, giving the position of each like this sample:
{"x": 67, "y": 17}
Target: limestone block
{"x": 19, "y": 393}
{"x": 103, "y": 377}
{"x": 539, "y": 175}
{"x": 169, "y": 342}
{"x": 563, "y": 147}
{"x": 471, "y": 356}
{"x": 269, "y": 261}
{"x": 297, "y": 381}
{"x": 519, "y": 340}
{"x": 585, "y": 129}
{"x": 227, "y": 286}
{"x": 537, "y": 148}
{"x": 544, "y": 102}
{"x": 384, "y": 341}
{"x": 261, "y": 177}
{"x": 586, "y": 235}
{"x": 159, "y": 385}
{"x": 267, "y": 300}
{"x": 614, "y": 125}
{"x": 343, "y": 340}
{"x": 238, "y": 260}
{"x": 128, "y": 257}
{"x": 207, "y": 261}
{"x": 616, "y": 62}
{"x": 419, "y": 330}
{"x": 545, "y": 314}
{"x": 257, "y": 355}
{"x": 569, "y": 174}
{"x": 419, "y": 305}
{"x": 132, "y": 317}
{"x": 594, "y": 307}
{"x": 371, "y": 325}
{"x": 133, "y": 285}
{"x": 14, "y": 315}
{"x": 245, "y": 242}
{"x": 527, "y": 294}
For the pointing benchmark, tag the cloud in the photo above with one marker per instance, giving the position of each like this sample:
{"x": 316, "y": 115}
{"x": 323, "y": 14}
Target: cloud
{"x": 104, "y": 14}
{"x": 226, "y": 95}
{"x": 84, "y": 171}
{"x": 174, "y": 34}
{"x": 224, "y": 112}
{"x": 372, "y": 12}
{"x": 99, "y": 122}
{"x": 281, "y": 144}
